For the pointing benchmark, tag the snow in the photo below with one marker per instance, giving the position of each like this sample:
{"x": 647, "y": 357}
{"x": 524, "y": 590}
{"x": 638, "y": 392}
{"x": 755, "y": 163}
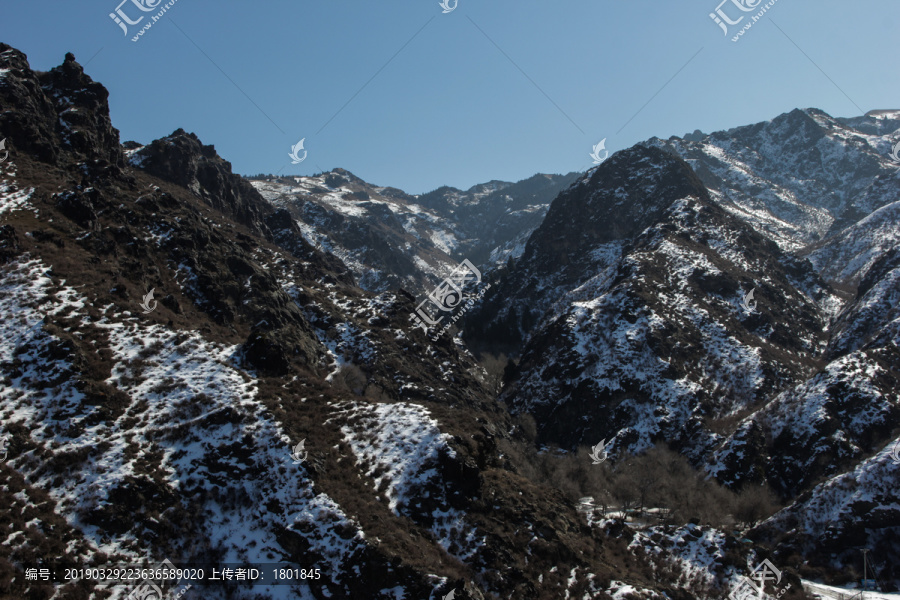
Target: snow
{"x": 794, "y": 196}
{"x": 694, "y": 551}
{"x": 134, "y": 157}
{"x": 850, "y": 254}
{"x": 13, "y": 199}
{"x": 399, "y": 445}
{"x": 835, "y": 500}
{"x": 316, "y": 206}
{"x": 192, "y": 416}
{"x": 374, "y": 235}
{"x": 342, "y": 340}
{"x": 608, "y": 333}
{"x": 619, "y": 590}
{"x": 444, "y": 240}
{"x": 830, "y": 592}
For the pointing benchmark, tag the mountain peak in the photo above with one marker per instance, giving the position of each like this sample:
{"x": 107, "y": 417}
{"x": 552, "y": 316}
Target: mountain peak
{"x": 58, "y": 115}
{"x": 184, "y": 160}
{"x": 617, "y": 199}
{"x": 891, "y": 112}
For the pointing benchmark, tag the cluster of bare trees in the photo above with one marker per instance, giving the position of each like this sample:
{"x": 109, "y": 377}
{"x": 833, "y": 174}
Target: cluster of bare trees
{"x": 658, "y": 484}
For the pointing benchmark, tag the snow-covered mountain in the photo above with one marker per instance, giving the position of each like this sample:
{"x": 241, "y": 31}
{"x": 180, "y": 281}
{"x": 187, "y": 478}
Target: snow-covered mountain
{"x": 168, "y": 337}
{"x": 733, "y": 297}
{"x": 391, "y": 239}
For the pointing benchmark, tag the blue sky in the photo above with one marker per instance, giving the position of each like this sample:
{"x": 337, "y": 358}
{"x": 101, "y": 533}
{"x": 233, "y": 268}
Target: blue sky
{"x": 402, "y": 94}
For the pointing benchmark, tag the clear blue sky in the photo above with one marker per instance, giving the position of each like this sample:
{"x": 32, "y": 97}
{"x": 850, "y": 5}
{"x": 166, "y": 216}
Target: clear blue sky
{"x": 450, "y": 108}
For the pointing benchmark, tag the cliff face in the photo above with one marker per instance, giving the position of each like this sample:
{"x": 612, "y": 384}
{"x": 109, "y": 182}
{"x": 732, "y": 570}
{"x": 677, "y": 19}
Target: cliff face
{"x": 60, "y": 117}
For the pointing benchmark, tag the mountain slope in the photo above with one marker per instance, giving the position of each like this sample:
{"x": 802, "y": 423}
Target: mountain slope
{"x": 656, "y": 345}
{"x": 189, "y": 370}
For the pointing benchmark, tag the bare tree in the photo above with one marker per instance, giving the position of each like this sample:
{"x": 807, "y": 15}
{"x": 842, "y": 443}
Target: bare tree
{"x": 754, "y": 503}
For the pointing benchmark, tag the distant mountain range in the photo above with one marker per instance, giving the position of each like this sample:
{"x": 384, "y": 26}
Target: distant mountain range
{"x": 390, "y": 239}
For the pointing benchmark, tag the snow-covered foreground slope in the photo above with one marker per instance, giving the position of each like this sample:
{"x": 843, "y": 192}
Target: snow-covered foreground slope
{"x": 399, "y": 446}
{"x": 184, "y": 424}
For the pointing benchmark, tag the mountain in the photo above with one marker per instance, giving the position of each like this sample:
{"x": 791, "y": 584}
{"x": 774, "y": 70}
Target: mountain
{"x": 653, "y": 280}
{"x": 734, "y": 298}
{"x": 390, "y": 239}
{"x": 185, "y": 378}
{"x": 800, "y": 177}
{"x": 200, "y": 369}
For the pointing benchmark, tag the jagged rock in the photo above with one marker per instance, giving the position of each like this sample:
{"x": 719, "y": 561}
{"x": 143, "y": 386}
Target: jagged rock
{"x": 58, "y": 116}
{"x": 79, "y": 208}
{"x": 9, "y": 243}
{"x": 29, "y": 119}
{"x": 182, "y": 159}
